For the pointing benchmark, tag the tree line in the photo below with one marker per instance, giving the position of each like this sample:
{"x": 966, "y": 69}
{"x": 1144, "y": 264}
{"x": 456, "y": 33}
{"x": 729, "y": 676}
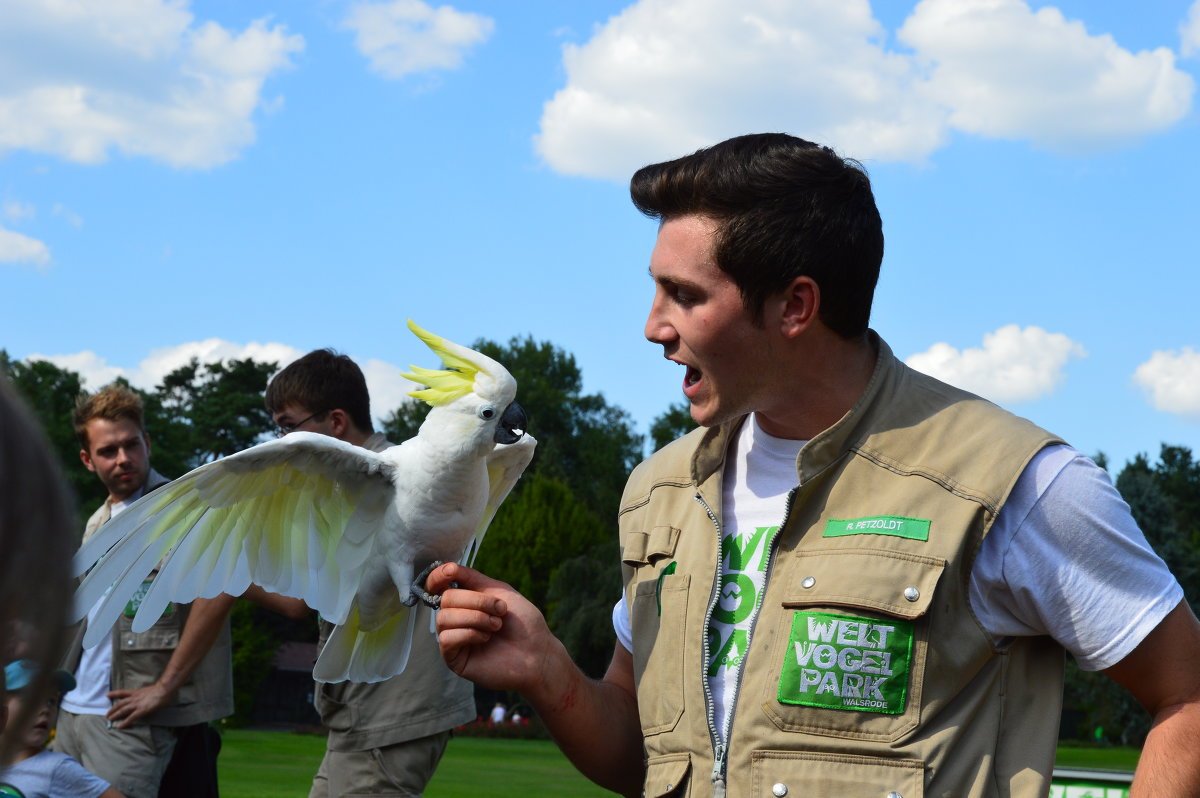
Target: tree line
{"x": 553, "y": 539}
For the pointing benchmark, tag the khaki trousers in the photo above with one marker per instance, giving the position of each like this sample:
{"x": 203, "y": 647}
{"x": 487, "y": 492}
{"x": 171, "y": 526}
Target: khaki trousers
{"x": 398, "y": 771}
{"x": 132, "y": 760}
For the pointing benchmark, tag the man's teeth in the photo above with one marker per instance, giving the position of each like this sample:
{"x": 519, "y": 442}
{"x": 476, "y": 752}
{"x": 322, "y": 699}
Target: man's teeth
{"x": 693, "y": 376}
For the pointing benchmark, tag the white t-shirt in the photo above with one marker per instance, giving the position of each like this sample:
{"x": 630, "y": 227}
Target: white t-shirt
{"x": 1064, "y": 558}
{"x": 93, "y": 677}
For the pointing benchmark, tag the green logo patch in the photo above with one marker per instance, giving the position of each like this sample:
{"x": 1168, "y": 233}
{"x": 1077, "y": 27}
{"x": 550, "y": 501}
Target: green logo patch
{"x": 895, "y": 525}
{"x": 843, "y": 662}
{"x": 135, "y": 601}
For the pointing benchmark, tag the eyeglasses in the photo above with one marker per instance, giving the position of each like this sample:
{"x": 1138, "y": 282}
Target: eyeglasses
{"x": 287, "y": 429}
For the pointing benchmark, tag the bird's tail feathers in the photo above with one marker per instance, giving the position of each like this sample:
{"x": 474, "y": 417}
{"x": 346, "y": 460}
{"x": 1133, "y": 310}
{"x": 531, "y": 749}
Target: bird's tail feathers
{"x": 351, "y": 654}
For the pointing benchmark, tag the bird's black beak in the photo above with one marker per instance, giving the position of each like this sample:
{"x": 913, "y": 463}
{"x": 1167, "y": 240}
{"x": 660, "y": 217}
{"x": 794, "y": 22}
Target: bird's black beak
{"x": 512, "y": 426}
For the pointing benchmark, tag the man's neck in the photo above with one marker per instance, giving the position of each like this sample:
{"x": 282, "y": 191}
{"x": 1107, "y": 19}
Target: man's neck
{"x": 356, "y": 436}
{"x": 817, "y": 391}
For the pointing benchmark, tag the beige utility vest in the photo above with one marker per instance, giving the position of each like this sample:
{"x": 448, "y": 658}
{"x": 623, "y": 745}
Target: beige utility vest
{"x": 866, "y": 674}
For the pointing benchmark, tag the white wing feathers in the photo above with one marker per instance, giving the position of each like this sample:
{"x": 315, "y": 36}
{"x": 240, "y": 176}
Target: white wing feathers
{"x": 297, "y": 516}
{"x": 504, "y": 466}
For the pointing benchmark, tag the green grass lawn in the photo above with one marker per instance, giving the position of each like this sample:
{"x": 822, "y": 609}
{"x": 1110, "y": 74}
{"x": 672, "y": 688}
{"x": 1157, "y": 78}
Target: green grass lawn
{"x": 275, "y": 764}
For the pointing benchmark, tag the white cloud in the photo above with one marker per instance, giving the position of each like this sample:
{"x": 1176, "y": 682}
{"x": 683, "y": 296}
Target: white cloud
{"x": 1189, "y": 32}
{"x": 96, "y": 371}
{"x": 19, "y": 210}
{"x": 1172, "y": 380}
{"x": 387, "y": 388}
{"x": 73, "y": 219}
{"x": 18, "y": 248}
{"x": 79, "y": 79}
{"x": 403, "y": 37}
{"x": 665, "y": 77}
{"x": 1015, "y": 364}
{"x": 92, "y": 369}
{"x": 1006, "y": 71}
{"x": 161, "y": 362}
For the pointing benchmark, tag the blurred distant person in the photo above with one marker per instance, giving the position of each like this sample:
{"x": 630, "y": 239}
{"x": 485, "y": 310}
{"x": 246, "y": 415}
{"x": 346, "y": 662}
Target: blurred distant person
{"x": 385, "y": 738}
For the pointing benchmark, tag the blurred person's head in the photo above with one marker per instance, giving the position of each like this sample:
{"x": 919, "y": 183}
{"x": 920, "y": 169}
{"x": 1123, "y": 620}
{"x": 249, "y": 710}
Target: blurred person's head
{"x": 110, "y": 428}
{"x": 39, "y": 709}
{"x": 37, "y": 523}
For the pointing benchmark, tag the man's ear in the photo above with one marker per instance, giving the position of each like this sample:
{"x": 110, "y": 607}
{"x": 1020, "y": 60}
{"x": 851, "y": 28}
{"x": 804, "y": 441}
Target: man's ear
{"x": 339, "y": 422}
{"x": 86, "y": 459}
{"x": 801, "y": 302}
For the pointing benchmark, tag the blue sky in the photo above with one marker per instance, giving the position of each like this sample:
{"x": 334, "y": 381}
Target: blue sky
{"x": 255, "y": 178}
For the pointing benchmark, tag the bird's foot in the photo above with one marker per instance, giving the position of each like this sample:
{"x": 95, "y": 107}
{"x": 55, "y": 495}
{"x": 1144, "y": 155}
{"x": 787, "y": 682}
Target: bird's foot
{"x": 418, "y": 589}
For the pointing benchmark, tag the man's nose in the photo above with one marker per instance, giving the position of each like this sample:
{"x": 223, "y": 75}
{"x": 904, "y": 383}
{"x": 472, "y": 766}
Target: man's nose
{"x": 657, "y": 329}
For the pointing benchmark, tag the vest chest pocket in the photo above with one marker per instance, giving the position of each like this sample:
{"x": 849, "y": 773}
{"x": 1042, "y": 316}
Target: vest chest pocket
{"x": 849, "y": 643}
{"x": 657, "y": 610}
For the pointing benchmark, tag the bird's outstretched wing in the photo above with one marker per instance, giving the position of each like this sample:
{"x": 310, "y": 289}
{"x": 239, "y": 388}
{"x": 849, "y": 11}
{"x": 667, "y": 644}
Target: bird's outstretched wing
{"x": 297, "y": 516}
{"x": 504, "y": 465}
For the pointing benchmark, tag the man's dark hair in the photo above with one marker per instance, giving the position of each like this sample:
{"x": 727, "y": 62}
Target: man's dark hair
{"x": 784, "y": 208}
{"x": 322, "y": 381}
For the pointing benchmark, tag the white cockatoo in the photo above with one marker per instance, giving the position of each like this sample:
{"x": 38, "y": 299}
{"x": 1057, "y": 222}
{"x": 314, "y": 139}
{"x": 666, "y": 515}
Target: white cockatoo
{"x": 341, "y": 527}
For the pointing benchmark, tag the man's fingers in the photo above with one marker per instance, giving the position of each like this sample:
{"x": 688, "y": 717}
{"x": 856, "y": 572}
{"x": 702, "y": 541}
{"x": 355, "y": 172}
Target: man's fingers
{"x": 460, "y": 599}
{"x": 452, "y": 574}
{"x": 470, "y": 617}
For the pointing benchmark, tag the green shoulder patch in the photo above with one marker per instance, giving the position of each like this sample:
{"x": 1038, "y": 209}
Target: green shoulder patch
{"x": 844, "y": 662}
{"x": 895, "y": 525}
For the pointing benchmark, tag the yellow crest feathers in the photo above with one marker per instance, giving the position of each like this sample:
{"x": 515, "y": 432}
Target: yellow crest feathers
{"x": 442, "y": 386}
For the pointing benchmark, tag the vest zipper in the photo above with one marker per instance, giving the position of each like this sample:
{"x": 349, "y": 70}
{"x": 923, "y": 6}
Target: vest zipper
{"x": 718, "y": 771}
{"x": 720, "y": 749}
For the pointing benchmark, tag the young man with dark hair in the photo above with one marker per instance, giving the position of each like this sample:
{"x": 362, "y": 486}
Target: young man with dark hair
{"x": 384, "y": 738}
{"x": 138, "y": 695}
{"x": 852, "y": 579}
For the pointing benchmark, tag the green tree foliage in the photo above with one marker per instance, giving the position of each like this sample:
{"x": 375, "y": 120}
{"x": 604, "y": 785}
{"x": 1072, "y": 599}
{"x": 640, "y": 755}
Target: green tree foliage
{"x": 538, "y": 528}
{"x": 675, "y": 422}
{"x": 1164, "y": 499}
{"x": 203, "y": 412}
{"x": 583, "y": 441}
{"x": 580, "y": 601}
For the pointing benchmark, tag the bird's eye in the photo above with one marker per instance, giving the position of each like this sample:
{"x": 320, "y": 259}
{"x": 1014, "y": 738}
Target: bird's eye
{"x": 486, "y": 412}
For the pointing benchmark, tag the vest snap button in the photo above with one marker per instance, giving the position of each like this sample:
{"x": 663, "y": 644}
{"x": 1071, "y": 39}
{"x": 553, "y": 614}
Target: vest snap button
{"x": 912, "y": 594}
{"x": 807, "y": 582}
{"x": 894, "y": 795}
{"x": 779, "y": 790}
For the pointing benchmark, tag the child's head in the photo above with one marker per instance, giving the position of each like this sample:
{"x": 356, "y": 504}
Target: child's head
{"x": 20, "y": 678}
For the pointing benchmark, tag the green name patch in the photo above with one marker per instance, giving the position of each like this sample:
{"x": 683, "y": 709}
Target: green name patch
{"x": 843, "y": 662}
{"x": 894, "y": 525}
